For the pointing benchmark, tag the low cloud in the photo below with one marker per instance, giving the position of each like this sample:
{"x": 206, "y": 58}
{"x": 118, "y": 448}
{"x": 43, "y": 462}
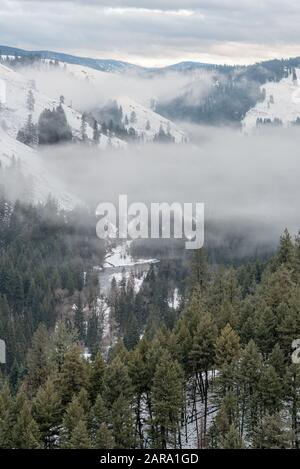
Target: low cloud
{"x": 249, "y": 184}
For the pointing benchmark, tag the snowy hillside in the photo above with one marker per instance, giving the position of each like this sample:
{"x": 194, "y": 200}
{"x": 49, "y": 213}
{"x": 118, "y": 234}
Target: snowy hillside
{"x": 147, "y": 123}
{"x": 32, "y": 166}
{"x": 282, "y": 101}
{"x": 15, "y": 112}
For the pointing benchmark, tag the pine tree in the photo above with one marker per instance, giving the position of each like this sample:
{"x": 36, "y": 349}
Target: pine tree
{"x": 80, "y": 438}
{"x": 202, "y": 357}
{"x": 232, "y": 439}
{"x": 133, "y": 117}
{"x": 96, "y": 133}
{"x": 30, "y": 101}
{"x": 83, "y": 127}
{"x": 7, "y": 417}
{"x": 131, "y": 333}
{"x": 98, "y": 415}
{"x": 292, "y": 394}
{"x": 271, "y": 434}
{"x": 79, "y": 319}
{"x": 74, "y": 414}
{"x": 104, "y": 438}
{"x": 270, "y": 389}
{"x": 38, "y": 360}
{"x": 62, "y": 341}
{"x": 25, "y": 430}
{"x": 93, "y": 334}
{"x": 47, "y": 413}
{"x": 116, "y": 382}
{"x": 249, "y": 376}
{"x": 73, "y": 376}
{"x": 167, "y": 398}
{"x": 200, "y": 269}
{"x": 96, "y": 379}
{"x": 277, "y": 360}
{"x": 227, "y": 347}
{"x": 122, "y": 423}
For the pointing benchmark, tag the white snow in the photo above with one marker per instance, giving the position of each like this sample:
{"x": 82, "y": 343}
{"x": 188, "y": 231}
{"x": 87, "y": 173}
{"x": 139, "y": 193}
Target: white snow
{"x": 15, "y": 112}
{"x": 146, "y": 116}
{"x": 137, "y": 281}
{"x": 32, "y": 166}
{"x": 143, "y": 113}
{"x": 103, "y": 311}
{"x": 174, "y": 302}
{"x": 120, "y": 257}
{"x": 286, "y": 105}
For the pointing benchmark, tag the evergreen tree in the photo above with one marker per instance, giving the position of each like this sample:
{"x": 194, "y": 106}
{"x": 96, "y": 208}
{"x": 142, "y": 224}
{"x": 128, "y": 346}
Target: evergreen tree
{"x": 104, "y": 438}
{"x": 167, "y": 397}
{"x": 96, "y": 133}
{"x": 83, "y": 127}
{"x": 25, "y": 430}
{"x": 80, "y": 438}
{"x": 79, "y": 319}
{"x": 30, "y": 101}
{"x": 73, "y": 376}
{"x": 271, "y": 434}
{"x": 116, "y": 382}
{"x": 131, "y": 333}
{"x": 47, "y": 413}
{"x": 96, "y": 378}
{"x": 122, "y": 422}
{"x": 233, "y": 440}
{"x": 38, "y": 360}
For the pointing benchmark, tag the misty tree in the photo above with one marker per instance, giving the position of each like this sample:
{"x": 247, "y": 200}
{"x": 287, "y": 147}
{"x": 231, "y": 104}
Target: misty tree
{"x": 28, "y": 134}
{"x": 30, "y": 101}
{"x": 53, "y": 127}
{"x": 96, "y": 133}
{"x": 295, "y": 80}
{"x": 83, "y": 127}
{"x": 133, "y": 117}
{"x": 163, "y": 137}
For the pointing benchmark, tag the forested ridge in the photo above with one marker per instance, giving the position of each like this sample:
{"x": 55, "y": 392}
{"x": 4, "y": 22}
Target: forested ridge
{"x": 214, "y": 373}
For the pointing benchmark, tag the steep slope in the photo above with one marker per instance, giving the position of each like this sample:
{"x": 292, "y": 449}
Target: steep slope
{"x": 282, "y": 101}
{"x": 147, "y": 123}
{"x": 15, "y": 112}
{"x": 43, "y": 183}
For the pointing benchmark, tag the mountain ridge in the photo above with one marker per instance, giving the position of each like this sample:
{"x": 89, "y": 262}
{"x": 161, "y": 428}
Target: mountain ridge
{"x": 114, "y": 65}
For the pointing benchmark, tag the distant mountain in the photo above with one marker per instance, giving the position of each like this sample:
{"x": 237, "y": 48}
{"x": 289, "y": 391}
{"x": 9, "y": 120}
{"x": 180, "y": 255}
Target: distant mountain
{"x": 98, "y": 64}
{"x": 109, "y": 65}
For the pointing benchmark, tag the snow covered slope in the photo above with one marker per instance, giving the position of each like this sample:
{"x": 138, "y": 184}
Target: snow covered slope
{"x": 43, "y": 184}
{"x": 15, "y": 112}
{"x": 147, "y": 123}
{"x": 282, "y": 102}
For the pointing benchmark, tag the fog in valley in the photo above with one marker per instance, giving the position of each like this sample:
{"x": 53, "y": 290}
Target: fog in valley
{"x": 246, "y": 182}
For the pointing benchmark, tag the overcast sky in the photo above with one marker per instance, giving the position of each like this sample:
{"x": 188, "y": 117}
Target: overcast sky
{"x": 156, "y": 32}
